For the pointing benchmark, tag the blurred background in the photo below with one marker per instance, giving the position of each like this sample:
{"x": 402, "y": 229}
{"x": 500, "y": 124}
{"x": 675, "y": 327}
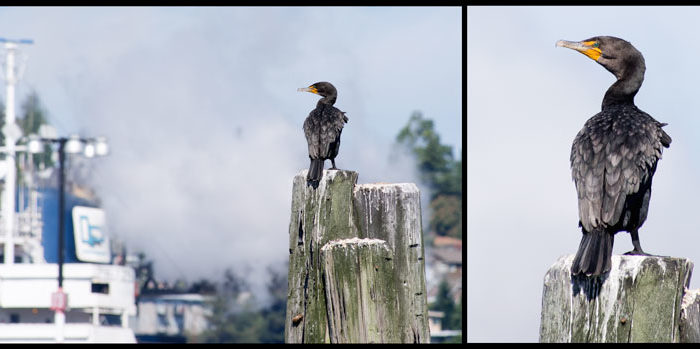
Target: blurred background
{"x": 199, "y": 106}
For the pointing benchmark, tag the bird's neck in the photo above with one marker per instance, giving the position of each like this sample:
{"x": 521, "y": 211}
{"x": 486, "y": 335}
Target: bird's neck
{"x": 626, "y": 86}
{"x": 328, "y": 100}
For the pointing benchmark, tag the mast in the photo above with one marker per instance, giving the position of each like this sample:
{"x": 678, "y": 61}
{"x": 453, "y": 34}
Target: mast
{"x": 11, "y": 133}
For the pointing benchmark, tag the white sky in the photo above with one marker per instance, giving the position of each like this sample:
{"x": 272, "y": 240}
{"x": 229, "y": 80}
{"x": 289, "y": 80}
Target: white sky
{"x": 526, "y": 102}
{"x": 201, "y": 109}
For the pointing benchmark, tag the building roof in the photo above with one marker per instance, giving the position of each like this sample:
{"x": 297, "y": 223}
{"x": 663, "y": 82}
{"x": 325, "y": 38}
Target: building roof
{"x": 448, "y": 255}
{"x": 436, "y": 314}
{"x": 443, "y": 241}
{"x": 175, "y": 297}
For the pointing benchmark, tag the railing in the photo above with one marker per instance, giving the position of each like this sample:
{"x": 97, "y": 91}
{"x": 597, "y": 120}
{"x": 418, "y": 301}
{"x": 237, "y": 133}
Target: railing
{"x": 73, "y": 332}
{"x": 28, "y": 224}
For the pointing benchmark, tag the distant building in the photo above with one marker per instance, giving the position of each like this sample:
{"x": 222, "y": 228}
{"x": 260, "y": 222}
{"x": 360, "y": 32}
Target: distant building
{"x": 435, "y": 320}
{"x": 444, "y": 262}
{"x": 437, "y": 334}
{"x": 170, "y": 317}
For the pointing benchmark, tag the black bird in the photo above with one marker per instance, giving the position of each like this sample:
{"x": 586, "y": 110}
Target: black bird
{"x": 613, "y": 158}
{"x": 322, "y": 129}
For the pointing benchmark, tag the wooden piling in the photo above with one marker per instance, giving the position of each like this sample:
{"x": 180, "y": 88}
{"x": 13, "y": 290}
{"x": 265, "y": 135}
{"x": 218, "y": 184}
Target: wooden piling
{"x": 331, "y": 262}
{"x": 639, "y": 300}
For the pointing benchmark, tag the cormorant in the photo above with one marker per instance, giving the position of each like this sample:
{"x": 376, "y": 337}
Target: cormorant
{"x": 613, "y": 158}
{"x": 322, "y": 129}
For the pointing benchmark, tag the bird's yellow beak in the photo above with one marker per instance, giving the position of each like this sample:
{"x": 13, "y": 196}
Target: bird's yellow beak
{"x": 311, "y": 89}
{"x": 588, "y": 48}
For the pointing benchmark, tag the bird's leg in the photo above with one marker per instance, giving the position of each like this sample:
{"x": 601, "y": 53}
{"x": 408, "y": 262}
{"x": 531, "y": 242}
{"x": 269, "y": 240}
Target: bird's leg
{"x": 333, "y": 163}
{"x": 637, "y": 251}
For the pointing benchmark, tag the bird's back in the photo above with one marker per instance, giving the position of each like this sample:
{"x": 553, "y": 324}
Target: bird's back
{"x": 613, "y": 159}
{"x": 322, "y": 128}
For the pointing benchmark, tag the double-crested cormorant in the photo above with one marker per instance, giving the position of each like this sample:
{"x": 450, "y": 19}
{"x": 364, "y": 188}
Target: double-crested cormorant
{"x": 613, "y": 158}
{"x": 322, "y": 129}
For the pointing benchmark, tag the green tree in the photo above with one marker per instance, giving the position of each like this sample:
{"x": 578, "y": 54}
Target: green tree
{"x": 203, "y": 286}
{"x": 273, "y": 314}
{"x": 31, "y": 117}
{"x": 143, "y": 272}
{"x": 435, "y": 160}
{"x": 439, "y": 170}
{"x": 446, "y": 218}
{"x": 34, "y": 115}
{"x": 452, "y": 181}
{"x": 234, "y": 318}
{"x": 444, "y": 303}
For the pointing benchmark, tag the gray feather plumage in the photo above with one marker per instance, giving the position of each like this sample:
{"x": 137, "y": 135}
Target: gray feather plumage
{"x": 613, "y": 157}
{"x": 322, "y": 129}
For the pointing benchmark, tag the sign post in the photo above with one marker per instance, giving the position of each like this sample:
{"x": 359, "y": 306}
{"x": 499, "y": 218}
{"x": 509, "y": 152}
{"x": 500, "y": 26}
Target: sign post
{"x": 59, "y": 303}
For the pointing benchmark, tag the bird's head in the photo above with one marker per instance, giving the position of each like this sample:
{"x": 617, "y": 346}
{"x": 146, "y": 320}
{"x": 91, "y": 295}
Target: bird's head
{"x": 618, "y": 56}
{"x": 322, "y": 88}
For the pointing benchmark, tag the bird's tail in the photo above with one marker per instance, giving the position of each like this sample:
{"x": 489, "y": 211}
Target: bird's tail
{"x": 315, "y": 172}
{"x": 594, "y": 253}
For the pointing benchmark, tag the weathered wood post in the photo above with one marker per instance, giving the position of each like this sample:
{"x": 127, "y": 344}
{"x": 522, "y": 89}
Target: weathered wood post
{"x": 318, "y": 216}
{"x": 690, "y": 317}
{"x": 391, "y": 212}
{"x": 362, "y": 299}
{"x": 639, "y": 300}
{"x": 353, "y": 277}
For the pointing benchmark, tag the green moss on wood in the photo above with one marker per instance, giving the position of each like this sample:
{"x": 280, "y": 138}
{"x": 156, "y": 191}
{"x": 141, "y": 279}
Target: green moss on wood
{"x": 361, "y": 292}
{"x": 391, "y": 212}
{"x": 318, "y": 216}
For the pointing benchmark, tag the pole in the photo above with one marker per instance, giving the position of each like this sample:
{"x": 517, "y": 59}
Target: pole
{"x": 61, "y": 208}
{"x": 60, "y": 316}
{"x": 10, "y": 132}
{"x": 8, "y": 198}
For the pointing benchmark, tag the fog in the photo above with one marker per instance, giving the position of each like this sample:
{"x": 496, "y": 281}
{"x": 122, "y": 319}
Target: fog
{"x": 204, "y": 122}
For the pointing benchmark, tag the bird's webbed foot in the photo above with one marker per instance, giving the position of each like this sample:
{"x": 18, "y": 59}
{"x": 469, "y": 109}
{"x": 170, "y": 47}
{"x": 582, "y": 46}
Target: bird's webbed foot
{"x": 333, "y": 165}
{"x": 636, "y": 252}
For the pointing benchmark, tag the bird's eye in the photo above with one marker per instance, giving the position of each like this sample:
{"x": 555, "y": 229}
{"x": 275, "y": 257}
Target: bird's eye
{"x": 596, "y": 45}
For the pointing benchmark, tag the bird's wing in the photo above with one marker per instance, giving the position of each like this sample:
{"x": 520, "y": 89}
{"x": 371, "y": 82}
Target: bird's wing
{"x": 313, "y": 139}
{"x": 587, "y": 166}
{"x": 330, "y": 129}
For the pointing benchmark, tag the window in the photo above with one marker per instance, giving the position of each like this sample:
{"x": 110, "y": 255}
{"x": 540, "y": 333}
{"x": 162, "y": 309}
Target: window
{"x": 100, "y": 288}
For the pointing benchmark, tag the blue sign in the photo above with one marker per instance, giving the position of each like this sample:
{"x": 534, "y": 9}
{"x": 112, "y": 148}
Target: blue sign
{"x": 91, "y": 243}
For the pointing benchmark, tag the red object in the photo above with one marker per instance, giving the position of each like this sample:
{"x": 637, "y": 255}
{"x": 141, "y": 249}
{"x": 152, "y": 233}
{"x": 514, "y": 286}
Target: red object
{"x": 59, "y": 300}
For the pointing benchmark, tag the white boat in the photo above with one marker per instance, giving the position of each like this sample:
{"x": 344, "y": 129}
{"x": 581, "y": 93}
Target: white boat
{"x": 100, "y": 296}
{"x": 97, "y": 297}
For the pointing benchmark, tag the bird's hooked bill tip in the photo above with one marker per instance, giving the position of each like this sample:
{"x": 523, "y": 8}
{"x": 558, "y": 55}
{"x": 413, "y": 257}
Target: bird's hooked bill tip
{"x": 307, "y": 89}
{"x": 567, "y": 44}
